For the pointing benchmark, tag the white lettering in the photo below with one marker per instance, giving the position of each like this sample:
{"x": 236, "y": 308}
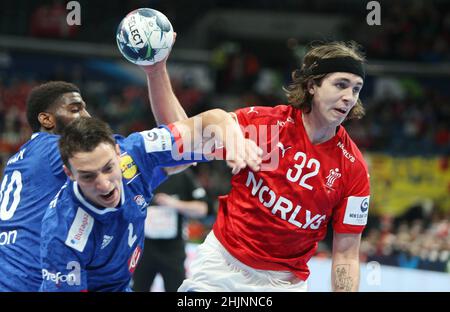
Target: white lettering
{"x": 58, "y": 277}
{"x": 309, "y": 220}
{"x": 283, "y": 209}
{"x": 251, "y": 178}
{"x": 74, "y": 16}
{"x": 75, "y": 274}
{"x": 16, "y": 158}
{"x": 273, "y": 197}
{"x": 374, "y": 16}
{"x": 293, "y": 215}
{"x": 282, "y": 205}
{"x": 7, "y": 238}
{"x": 346, "y": 153}
{"x": 131, "y": 237}
{"x": 316, "y": 224}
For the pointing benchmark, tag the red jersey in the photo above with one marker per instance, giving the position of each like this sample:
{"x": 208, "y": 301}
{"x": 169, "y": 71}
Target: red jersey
{"x": 273, "y": 220}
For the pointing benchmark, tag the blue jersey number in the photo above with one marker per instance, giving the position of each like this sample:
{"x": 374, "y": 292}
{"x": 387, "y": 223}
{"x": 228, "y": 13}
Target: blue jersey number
{"x": 14, "y": 187}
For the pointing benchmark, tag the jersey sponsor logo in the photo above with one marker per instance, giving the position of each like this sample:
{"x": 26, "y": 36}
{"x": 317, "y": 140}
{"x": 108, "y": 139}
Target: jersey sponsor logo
{"x": 80, "y": 230}
{"x": 152, "y": 136}
{"x": 283, "y": 123}
{"x": 106, "y": 240}
{"x": 58, "y": 277}
{"x": 8, "y": 238}
{"x": 73, "y": 277}
{"x": 364, "y": 205}
{"x": 252, "y": 110}
{"x": 356, "y": 211}
{"x": 345, "y": 152}
{"x": 17, "y": 157}
{"x": 282, "y": 206}
{"x": 134, "y": 259}
{"x": 283, "y": 149}
{"x": 157, "y": 140}
{"x": 332, "y": 177}
{"x": 128, "y": 167}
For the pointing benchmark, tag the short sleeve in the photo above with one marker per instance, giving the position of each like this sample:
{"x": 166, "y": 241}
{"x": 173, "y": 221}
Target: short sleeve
{"x": 154, "y": 148}
{"x": 351, "y": 213}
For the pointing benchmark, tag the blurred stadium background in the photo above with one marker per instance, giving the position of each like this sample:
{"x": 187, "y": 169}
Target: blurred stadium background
{"x": 232, "y": 54}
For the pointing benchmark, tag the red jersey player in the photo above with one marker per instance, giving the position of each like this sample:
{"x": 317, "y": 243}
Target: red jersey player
{"x": 269, "y": 225}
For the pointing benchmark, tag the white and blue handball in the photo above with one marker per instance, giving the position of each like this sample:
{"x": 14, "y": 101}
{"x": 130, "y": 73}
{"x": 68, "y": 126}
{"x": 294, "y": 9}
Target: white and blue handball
{"x": 145, "y": 36}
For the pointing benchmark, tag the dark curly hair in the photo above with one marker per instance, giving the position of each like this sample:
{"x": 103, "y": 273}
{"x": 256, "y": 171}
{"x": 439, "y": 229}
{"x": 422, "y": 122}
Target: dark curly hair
{"x": 42, "y": 98}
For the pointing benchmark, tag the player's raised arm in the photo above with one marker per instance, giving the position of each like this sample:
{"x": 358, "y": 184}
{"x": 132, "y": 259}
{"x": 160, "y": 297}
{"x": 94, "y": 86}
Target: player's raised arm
{"x": 217, "y": 127}
{"x": 164, "y": 104}
{"x": 145, "y": 37}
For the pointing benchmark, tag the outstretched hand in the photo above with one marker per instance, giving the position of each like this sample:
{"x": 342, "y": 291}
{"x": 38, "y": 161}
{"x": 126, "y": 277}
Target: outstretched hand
{"x": 150, "y": 69}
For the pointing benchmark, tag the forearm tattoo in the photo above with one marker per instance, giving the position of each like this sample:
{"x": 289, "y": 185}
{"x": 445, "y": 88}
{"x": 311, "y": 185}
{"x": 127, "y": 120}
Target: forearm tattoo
{"x": 343, "y": 281}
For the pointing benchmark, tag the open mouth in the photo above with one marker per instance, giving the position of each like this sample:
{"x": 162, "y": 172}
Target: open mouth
{"x": 342, "y": 111}
{"x": 108, "y": 196}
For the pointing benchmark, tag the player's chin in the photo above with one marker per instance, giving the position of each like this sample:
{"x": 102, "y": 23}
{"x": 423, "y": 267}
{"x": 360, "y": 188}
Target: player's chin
{"x": 336, "y": 119}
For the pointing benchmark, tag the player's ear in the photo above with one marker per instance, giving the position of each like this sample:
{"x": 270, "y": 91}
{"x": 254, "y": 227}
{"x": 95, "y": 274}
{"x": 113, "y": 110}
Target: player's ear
{"x": 117, "y": 148}
{"x": 68, "y": 173}
{"x": 46, "y": 120}
{"x": 311, "y": 87}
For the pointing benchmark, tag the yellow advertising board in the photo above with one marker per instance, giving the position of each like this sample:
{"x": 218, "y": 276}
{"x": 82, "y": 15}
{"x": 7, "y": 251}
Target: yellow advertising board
{"x": 397, "y": 183}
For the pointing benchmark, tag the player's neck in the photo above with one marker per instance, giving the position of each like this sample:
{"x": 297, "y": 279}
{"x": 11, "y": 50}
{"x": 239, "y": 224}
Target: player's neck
{"x": 318, "y": 131}
{"x": 51, "y": 131}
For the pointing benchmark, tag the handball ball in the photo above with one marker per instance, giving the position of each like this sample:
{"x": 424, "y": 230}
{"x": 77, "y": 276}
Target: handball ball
{"x": 145, "y": 36}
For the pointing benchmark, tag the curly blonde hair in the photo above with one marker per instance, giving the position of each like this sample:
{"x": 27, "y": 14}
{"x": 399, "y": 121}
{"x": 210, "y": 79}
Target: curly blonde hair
{"x": 297, "y": 92}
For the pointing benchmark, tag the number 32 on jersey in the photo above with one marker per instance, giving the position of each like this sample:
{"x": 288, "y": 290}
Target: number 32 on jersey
{"x": 295, "y": 174}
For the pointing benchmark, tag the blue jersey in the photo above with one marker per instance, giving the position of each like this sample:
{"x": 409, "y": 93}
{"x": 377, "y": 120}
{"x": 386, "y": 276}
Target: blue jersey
{"x": 89, "y": 248}
{"x": 31, "y": 179}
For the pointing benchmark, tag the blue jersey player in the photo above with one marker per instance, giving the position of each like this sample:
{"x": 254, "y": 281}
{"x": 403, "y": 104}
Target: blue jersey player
{"x": 30, "y": 180}
{"x": 35, "y": 173}
{"x": 93, "y": 231}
